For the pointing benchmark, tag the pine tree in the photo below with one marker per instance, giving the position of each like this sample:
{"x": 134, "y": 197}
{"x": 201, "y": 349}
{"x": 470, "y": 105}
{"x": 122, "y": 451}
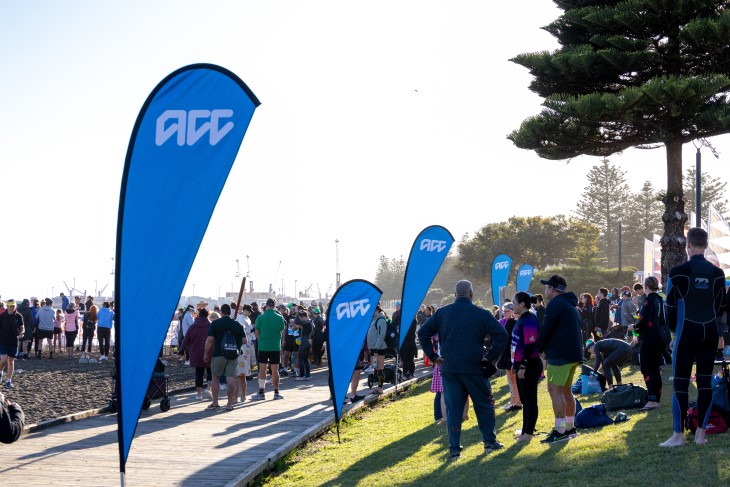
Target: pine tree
{"x": 645, "y": 73}
{"x": 713, "y": 191}
{"x": 643, "y": 220}
{"x": 603, "y": 203}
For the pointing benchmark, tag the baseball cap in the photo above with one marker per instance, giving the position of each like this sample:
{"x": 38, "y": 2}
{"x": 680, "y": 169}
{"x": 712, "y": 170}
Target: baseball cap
{"x": 556, "y": 281}
{"x": 589, "y": 342}
{"x": 315, "y": 311}
{"x": 626, "y": 293}
{"x": 10, "y": 302}
{"x": 270, "y": 302}
{"x": 254, "y": 304}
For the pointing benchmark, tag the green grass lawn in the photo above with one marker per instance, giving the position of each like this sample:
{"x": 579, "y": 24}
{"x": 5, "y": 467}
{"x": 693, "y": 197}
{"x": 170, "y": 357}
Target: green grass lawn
{"x": 398, "y": 443}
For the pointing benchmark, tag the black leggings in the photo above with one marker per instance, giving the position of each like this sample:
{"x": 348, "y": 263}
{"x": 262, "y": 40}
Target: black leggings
{"x": 611, "y": 365}
{"x": 651, "y": 359}
{"x": 527, "y": 389}
{"x": 88, "y": 337}
{"x": 694, "y": 341}
{"x": 71, "y": 338}
{"x": 103, "y": 334}
{"x": 199, "y": 375}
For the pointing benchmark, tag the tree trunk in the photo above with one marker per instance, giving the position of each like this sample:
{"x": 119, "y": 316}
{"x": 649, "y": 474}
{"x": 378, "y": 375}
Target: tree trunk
{"x": 674, "y": 217}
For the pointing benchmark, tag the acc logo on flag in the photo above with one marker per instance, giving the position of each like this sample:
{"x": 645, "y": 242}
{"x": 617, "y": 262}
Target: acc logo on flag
{"x": 186, "y": 129}
{"x": 432, "y": 245}
{"x": 526, "y": 272}
{"x": 351, "y": 309}
{"x": 501, "y": 265}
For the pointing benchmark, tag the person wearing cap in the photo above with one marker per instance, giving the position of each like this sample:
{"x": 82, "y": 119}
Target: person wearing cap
{"x": 11, "y": 329}
{"x": 560, "y": 340}
{"x": 611, "y": 353}
{"x": 466, "y": 367}
{"x": 318, "y": 339}
{"x": 46, "y": 317}
{"x": 269, "y": 326}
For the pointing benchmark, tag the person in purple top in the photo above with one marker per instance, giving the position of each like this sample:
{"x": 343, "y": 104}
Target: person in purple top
{"x": 526, "y": 362}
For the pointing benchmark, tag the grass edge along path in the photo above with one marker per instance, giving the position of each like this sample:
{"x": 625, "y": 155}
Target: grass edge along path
{"x": 398, "y": 443}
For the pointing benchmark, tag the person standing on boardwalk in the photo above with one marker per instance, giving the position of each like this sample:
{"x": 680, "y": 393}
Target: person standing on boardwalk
{"x": 269, "y": 326}
{"x": 560, "y": 341}
{"x": 462, "y": 328}
{"x": 220, "y": 365}
{"x": 193, "y": 346}
{"x": 695, "y": 300}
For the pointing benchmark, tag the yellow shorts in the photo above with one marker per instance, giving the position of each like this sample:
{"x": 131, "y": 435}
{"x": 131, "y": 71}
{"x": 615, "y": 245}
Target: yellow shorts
{"x": 561, "y": 375}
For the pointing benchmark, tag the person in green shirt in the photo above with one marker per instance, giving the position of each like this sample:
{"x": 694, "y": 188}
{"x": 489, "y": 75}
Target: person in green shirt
{"x": 269, "y": 327}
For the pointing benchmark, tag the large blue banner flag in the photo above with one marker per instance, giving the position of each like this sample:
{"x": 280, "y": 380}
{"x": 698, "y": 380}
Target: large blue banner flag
{"x": 500, "y": 273}
{"x": 188, "y": 131}
{"x": 427, "y": 254}
{"x": 348, "y": 319}
{"x": 524, "y": 277}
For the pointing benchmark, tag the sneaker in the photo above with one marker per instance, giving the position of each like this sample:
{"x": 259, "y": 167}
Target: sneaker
{"x": 208, "y": 394}
{"x": 299, "y": 379}
{"x": 278, "y": 396}
{"x": 224, "y": 387}
{"x": 9, "y": 385}
{"x": 369, "y": 370}
{"x": 356, "y": 398}
{"x": 572, "y": 432}
{"x": 307, "y": 377}
{"x": 187, "y": 362}
{"x": 258, "y": 397}
{"x": 454, "y": 456}
{"x": 554, "y": 437}
{"x": 493, "y": 446}
{"x": 103, "y": 358}
{"x": 283, "y": 373}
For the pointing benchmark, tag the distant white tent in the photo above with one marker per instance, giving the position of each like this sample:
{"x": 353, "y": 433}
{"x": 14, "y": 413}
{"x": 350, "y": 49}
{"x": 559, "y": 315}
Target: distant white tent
{"x": 657, "y": 257}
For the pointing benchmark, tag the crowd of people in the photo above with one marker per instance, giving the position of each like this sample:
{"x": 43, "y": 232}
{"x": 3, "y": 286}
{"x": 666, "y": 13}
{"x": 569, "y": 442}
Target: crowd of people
{"x": 531, "y": 342}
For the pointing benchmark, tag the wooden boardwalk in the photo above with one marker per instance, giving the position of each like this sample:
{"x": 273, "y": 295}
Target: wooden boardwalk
{"x": 186, "y": 446}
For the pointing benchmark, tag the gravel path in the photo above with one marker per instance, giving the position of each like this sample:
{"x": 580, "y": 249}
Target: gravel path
{"x": 50, "y": 388}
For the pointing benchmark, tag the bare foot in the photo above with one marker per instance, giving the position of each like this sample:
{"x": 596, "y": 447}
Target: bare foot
{"x": 700, "y": 438}
{"x": 677, "y": 439}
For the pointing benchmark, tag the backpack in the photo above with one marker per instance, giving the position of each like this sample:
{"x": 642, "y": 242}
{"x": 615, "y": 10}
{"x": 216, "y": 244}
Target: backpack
{"x": 715, "y": 425}
{"x": 593, "y": 417}
{"x": 391, "y": 335}
{"x": 229, "y": 350}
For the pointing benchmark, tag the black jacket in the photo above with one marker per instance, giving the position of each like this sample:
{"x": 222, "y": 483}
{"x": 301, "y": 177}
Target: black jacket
{"x": 602, "y": 313}
{"x": 11, "y": 325}
{"x": 12, "y": 422}
{"x": 560, "y": 333}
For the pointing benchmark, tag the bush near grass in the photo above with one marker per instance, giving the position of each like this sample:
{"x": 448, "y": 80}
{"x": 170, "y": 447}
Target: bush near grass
{"x": 398, "y": 443}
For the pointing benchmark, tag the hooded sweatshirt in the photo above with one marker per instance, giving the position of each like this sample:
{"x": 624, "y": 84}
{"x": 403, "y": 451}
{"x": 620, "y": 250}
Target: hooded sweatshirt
{"x": 560, "y": 333}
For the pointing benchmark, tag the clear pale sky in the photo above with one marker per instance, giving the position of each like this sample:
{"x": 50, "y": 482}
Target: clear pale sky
{"x": 378, "y": 119}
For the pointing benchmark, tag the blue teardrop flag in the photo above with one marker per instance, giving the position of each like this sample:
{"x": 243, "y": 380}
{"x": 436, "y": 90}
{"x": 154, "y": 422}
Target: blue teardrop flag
{"x": 348, "y": 318}
{"x": 524, "y": 277}
{"x": 427, "y": 254}
{"x": 188, "y": 133}
{"x": 500, "y": 272}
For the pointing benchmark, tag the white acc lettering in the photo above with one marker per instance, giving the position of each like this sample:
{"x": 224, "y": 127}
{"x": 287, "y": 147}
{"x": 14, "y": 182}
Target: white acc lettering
{"x": 188, "y": 130}
{"x": 526, "y": 273}
{"x": 351, "y": 309}
{"x": 432, "y": 245}
{"x": 501, "y": 265}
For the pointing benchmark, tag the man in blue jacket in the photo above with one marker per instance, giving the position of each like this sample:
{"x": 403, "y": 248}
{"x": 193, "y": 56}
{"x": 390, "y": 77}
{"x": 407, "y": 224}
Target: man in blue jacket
{"x": 462, "y": 328}
{"x": 560, "y": 341}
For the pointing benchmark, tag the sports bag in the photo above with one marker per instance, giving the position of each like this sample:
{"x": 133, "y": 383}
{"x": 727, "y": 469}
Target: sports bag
{"x": 229, "y": 350}
{"x": 715, "y": 425}
{"x": 593, "y": 417}
{"x": 590, "y": 385}
{"x": 625, "y": 396}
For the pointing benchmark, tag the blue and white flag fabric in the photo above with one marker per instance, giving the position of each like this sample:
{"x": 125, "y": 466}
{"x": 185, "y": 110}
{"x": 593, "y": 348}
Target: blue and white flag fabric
{"x": 348, "y": 319}
{"x": 500, "y": 272}
{"x": 182, "y": 147}
{"x": 427, "y": 255}
{"x": 524, "y": 277}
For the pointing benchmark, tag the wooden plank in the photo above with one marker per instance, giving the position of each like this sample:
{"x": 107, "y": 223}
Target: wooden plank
{"x": 185, "y": 445}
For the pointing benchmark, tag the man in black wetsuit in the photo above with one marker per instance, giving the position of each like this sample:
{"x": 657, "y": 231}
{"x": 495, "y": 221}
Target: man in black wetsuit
{"x": 695, "y": 298}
